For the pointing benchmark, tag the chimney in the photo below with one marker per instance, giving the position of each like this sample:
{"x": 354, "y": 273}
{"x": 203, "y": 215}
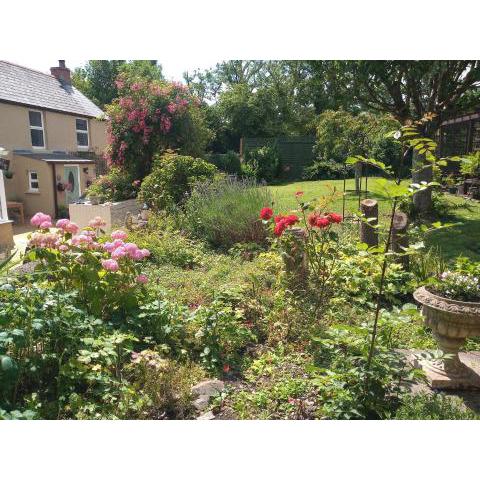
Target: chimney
{"x": 61, "y": 72}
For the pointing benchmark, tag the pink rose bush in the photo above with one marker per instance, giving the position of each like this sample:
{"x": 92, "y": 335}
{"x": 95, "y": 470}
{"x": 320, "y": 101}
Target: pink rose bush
{"x": 106, "y": 270}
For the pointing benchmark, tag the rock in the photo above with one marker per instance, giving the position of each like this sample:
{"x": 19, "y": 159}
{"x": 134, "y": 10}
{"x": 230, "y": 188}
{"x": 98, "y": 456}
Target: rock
{"x": 201, "y": 403}
{"x": 208, "y": 388}
{"x": 207, "y": 416}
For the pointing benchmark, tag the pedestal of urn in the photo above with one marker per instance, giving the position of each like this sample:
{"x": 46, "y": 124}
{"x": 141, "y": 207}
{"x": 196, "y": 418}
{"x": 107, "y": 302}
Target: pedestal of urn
{"x": 451, "y": 322}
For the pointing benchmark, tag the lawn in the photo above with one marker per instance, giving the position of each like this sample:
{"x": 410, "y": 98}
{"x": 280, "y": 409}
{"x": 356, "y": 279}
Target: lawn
{"x": 462, "y": 239}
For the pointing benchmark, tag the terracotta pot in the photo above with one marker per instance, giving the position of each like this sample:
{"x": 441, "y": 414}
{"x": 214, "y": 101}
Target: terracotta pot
{"x": 451, "y": 322}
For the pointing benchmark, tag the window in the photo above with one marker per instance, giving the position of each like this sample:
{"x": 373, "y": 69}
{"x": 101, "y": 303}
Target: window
{"x": 81, "y": 126}
{"x": 36, "y": 129}
{"x": 32, "y": 181}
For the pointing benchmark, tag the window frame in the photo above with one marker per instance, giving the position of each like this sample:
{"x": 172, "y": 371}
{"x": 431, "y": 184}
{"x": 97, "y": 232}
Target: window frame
{"x": 34, "y": 127}
{"x": 87, "y": 131}
{"x": 30, "y": 189}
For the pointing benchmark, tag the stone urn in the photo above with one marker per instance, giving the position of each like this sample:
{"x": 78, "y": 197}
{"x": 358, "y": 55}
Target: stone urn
{"x": 451, "y": 322}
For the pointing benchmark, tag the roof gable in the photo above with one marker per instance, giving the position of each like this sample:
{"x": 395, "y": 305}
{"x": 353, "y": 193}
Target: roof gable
{"x": 28, "y": 87}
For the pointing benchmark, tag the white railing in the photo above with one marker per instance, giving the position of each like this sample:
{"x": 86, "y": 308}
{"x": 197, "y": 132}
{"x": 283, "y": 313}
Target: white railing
{"x": 3, "y": 200}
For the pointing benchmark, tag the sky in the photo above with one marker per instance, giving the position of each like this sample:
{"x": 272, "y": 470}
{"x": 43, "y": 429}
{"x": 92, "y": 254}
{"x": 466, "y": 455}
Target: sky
{"x": 172, "y": 68}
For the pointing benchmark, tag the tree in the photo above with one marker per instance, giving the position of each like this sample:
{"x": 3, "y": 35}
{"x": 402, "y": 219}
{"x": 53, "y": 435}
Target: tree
{"x": 411, "y": 90}
{"x": 97, "y": 78}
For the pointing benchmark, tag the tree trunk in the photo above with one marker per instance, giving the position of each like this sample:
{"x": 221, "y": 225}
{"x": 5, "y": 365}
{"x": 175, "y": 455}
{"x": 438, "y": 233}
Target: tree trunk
{"x": 400, "y": 236}
{"x": 368, "y": 233}
{"x": 422, "y": 201}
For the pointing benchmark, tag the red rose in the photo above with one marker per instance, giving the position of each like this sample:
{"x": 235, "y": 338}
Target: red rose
{"x": 266, "y": 213}
{"x": 280, "y": 228}
{"x": 226, "y": 368}
{"x": 334, "y": 217}
{"x": 291, "y": 220}
{"x": 298, "y": 194}
{"x": 322, "y": 222}
{"x": 312, "y": 219}
{"x": 278, "y": 218}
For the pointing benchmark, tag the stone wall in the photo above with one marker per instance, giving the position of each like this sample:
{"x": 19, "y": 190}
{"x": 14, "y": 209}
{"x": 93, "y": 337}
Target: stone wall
{"x": 6, "y": 236}
{"x": 113, "y": 213}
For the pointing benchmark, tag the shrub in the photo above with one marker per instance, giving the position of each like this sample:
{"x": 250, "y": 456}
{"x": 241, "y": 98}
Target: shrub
{"x": 167, "y": 245}
{"x": 264, "y": 163}
{"x": 327, "y": 170}
{"x": 107, "y": 274}
{"x": 225, "y": 212}
{"x": 226, "y": 162}
{"x": 166, "y": 384}
{"x": 115, "y": 186}
{"x": 150, "y": 116}
{"x": 172, "y": 179}
{"x": 433, "y": 407}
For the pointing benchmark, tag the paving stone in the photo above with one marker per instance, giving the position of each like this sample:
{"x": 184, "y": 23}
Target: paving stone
{"x": 208, "y": 388}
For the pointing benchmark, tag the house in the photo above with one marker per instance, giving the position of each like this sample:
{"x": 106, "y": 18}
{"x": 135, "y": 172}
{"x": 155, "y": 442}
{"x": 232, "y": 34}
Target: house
{"x": 51, "y": 133}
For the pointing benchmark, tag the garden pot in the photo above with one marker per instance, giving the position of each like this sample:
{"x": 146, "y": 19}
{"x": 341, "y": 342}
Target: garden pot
{"x": 451, "y": 322}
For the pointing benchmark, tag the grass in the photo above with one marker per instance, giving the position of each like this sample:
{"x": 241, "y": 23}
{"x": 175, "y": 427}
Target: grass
{"x": 463, "y": 239}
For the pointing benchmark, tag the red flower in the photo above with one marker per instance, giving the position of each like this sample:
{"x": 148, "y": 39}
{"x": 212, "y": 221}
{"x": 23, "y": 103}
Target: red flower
{"x": 334, "y": 217}
{"x": 322, "y": 222}
{"x": 280, "y": 228}
{"x": 312, "y": 219}
{"x": 266, "y": 213}
{"x": 278, "y": 218}
{"x": 298, "y": 194}
{"x": 226, "y": 368}
{"x": 291, "y": 220}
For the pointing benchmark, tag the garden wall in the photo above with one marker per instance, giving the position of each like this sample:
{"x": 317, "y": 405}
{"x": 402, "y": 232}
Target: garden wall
{"x": 295, "y": 153}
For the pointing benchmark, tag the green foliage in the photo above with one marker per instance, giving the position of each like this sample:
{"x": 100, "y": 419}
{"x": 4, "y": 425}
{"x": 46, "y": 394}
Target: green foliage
{"x": 115, "y": 186}
{"x": 470, "y": 165}
{"x": 172, "y": 179}
{"x": 433, "y": 407}
{"x": 225, "y": 212}
{"x": 341, "y": 135}
{"x": 263, "y": 163}
{"x": 226, "y": 162}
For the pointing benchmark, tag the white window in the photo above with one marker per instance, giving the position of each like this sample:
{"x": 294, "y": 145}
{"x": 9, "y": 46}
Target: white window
{"x": 81, "y": 126}
{"x": 37, "y": 133}
{"x": 32, "y": 181}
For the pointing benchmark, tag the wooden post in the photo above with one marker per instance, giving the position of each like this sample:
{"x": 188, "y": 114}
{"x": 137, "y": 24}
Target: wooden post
{"x": 368, "y": 232}
{"x": 400, "y": 236}
{"x": 358, "y": 177}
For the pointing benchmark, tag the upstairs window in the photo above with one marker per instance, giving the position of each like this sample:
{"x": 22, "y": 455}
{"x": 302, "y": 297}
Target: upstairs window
{"x": 32, "y": 181}
{"x": 81, "y": 126}
{"x": 37, "y": 133}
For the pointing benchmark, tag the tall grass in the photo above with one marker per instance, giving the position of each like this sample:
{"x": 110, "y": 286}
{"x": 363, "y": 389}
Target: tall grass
{"x": 226, "y": 211}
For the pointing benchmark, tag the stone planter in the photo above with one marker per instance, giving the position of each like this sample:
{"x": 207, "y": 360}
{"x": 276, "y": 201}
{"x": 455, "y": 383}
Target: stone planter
{"x": 113, "y": 213}
{"x": 451, "y": 322}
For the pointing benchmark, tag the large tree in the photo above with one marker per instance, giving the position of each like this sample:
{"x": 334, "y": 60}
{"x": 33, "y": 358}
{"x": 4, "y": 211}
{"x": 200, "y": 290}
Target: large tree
{"x": 96, "y": 79}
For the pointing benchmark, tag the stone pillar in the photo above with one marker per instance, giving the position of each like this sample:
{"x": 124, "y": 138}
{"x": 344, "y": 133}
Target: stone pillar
{"x": 296, "y": 262}
{"x": 422, "y": 201}
{"x": 400, "y": 236}
{"x": 368, "y": 232}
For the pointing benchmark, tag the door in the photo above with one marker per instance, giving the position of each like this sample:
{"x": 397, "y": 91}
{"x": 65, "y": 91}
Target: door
{"x": 72, "y": 183}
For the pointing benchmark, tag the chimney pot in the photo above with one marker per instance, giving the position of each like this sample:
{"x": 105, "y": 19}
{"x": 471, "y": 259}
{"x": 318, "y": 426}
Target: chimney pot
{"x": 61, "y": 63}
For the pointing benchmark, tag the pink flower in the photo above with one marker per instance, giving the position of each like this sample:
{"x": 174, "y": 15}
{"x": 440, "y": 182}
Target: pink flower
{"x": 71, "y": 227}
{"x": 62, "y": 223}
{"x": 46, "y": 224}
{"x": 63, "y": 248}
{"x": 119, "y": 253}
{"x": 109, "y": 247}
{"x": 172, "y": 107}
{"x": 110, "y": 265}
{"x": 136, "y": 86}
{"x": 119, "y": 235}
{"x": 137, "y": 255}
{"x": 145, "y": 252}
{"x": 40, "y": 218}
{"x": 142, "y": 278}
{"x": 97, "y": 222}
{"x": 118, "y": 243}
{"x": 81, "y": 239}
{"x": 131, "y": 248}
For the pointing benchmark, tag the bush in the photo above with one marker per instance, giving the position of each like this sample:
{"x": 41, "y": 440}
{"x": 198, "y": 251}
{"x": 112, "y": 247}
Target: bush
{"x": 226, "y": 162}
{"x": 115, "y": 186}
{"x": 225, "y": 212}
{"x": 433, "y": 407}
{"x": 327, "y": 170}
{"x": 264, "y": 163}
{"x": 172, "y": 179}
{"x": 341, "y": 134}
